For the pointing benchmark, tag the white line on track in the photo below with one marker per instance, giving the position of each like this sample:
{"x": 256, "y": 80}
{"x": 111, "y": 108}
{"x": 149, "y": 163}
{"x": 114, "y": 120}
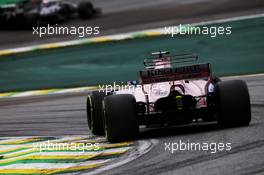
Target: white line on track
{"x": 243, "y": 76}
{"x": 144, "y": 147}
{"x": 232, "y": 19}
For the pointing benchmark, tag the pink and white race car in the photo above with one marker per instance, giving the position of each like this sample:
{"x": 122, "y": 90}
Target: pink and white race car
{"x": 168, "y": 95}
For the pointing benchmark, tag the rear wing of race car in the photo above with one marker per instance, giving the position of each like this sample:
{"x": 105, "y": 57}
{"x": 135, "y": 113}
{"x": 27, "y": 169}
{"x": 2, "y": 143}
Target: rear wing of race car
{"x": 164, "y": 57}
{"x": 195, "y": 71}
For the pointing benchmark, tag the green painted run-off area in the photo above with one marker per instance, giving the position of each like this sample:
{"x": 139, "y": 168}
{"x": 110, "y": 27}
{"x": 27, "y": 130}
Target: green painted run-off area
{"x": 238, "y": 53}
{"x": 8, "y": 2}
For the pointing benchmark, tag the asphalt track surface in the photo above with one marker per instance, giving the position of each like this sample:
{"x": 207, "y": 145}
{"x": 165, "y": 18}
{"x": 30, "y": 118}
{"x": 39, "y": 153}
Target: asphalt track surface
{"x": 57, "y": 115}
{"x": 131, "y": 15}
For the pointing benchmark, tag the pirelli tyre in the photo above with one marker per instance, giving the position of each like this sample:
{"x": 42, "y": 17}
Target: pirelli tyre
{"x": 85, "y": 9}
{"x": 94, "y": 112}
{"x": 232, "y": 103}
{"x": 120, "y": 117}
{"x": 30, "y": 20}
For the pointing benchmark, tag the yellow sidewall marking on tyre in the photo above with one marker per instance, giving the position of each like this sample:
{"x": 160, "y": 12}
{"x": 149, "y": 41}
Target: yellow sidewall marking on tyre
{"x": 91, "y": 108}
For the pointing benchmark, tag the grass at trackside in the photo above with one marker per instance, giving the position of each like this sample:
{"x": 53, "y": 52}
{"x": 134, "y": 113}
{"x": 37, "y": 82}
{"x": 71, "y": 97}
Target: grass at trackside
{"x": 7, "y": 2}
{"x": 238, "y": 53}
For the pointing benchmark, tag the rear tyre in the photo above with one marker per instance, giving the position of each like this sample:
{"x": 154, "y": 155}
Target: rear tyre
{"x": 233, "y": 103}
{"x": 120, "y": 117}
{"x": 94, "y": 112}
{"x": 31, "y": 20}
{"x": 85, "y": 10}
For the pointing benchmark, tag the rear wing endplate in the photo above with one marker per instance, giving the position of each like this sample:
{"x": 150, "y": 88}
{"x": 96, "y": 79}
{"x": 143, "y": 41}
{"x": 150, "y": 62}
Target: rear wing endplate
{"x": 173, "y": 59}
